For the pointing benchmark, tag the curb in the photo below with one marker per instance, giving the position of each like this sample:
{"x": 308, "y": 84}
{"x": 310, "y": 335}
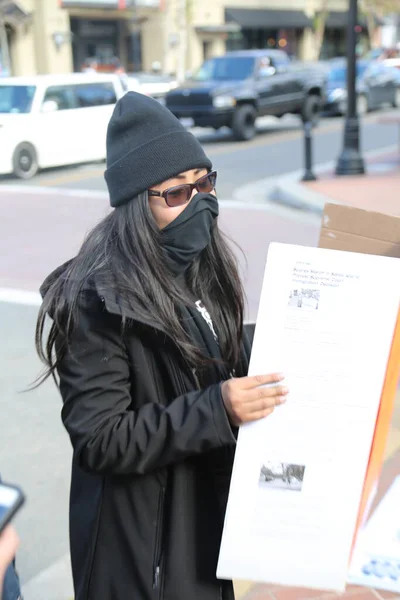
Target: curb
{"x": 295, "y": 195}
{"x": 289, "y": 191}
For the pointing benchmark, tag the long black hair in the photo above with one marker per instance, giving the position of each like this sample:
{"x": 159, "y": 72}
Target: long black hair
{"x": 125, "y": 253}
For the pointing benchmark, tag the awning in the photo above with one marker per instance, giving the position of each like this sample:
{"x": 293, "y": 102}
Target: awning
{"x": 224, "y": 28}
{"x": 249, "y": 18}
{"x": 340, "y": 19}
{"x": 12, "y": 13}
{"x": 98, "y": 4}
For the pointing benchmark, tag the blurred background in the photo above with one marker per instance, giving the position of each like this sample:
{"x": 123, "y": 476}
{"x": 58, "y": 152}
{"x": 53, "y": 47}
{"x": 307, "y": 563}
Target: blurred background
{"x": 217, "y": 64}
{"x": 251, "y": 79}
{"x": 171, "y": 38}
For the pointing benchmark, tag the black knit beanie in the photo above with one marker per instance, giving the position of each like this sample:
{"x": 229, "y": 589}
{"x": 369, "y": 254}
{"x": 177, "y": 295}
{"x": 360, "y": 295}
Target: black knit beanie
{"x": 146, "y": 145}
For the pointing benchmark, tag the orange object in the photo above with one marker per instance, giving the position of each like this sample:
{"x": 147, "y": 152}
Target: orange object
{"x": 356, "y": 226}
{"x": 378, "y": 447}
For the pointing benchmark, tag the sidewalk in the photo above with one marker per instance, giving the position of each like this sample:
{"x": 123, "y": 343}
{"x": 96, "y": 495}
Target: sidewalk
{"x": 378, "y": 188}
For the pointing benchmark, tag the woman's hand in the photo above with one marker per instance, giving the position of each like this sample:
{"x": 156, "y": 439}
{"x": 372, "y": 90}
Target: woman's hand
{"x": 9, "y": 543}
{"x": 245, "y": 400}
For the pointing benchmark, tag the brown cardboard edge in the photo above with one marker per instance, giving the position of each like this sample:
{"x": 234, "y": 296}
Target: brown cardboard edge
{"x": 352, "y": 220}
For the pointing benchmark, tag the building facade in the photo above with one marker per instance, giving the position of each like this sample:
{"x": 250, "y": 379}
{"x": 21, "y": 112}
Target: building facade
{"x": 50, "y": 36}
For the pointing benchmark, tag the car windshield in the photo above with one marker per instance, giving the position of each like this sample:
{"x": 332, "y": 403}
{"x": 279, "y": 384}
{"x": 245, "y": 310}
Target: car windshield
{"x": 339, "y": 74}
{"x": 16, "y": 98}
{"x": 226, "y": 69}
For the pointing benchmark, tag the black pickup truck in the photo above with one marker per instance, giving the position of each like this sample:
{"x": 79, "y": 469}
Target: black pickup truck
{"x": 234, "y": 89}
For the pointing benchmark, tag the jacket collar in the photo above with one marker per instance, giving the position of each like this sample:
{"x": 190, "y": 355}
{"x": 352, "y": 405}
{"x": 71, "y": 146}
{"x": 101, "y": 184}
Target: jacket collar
{"x": 115, "y": 305}
{"x": 112, "y": 301}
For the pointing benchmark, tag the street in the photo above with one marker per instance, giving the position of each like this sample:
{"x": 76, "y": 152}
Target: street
{"x": 277, "y": 149}
{"x": 43, "y": 227}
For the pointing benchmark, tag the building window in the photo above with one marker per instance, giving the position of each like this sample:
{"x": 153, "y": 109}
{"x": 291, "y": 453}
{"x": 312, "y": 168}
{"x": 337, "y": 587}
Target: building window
{"x": 94, "y": 40}
{"x": 334, "y": 43}
{"x": 235, "y": 41}
{"x": 134, "y": 51}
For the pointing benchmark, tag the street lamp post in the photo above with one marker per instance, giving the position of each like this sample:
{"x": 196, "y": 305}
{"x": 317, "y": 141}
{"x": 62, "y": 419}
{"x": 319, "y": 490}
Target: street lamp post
{"x": 135, "y": 36}
{"x": 350, "y": 161}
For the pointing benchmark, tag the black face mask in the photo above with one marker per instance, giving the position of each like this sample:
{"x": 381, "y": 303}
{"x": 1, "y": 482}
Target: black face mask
{"x": 190, "y": 232}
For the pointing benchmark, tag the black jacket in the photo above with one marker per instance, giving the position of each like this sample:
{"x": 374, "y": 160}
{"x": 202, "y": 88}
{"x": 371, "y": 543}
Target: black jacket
{"x": 151, "y": 463}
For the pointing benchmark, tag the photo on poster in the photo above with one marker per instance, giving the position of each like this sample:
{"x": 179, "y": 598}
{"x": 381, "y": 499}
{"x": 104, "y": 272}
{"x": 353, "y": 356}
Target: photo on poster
{"x": 305, "y": 298}
{"x": 282, "y": 476}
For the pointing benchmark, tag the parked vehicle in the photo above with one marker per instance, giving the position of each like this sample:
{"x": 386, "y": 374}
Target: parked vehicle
{"x": 234, "y": 89}
{"x": 155, "y": 85}
{"x": 53, "y": 120}
{"x": 376, "y": 85}
{"x": 392, "y": 62}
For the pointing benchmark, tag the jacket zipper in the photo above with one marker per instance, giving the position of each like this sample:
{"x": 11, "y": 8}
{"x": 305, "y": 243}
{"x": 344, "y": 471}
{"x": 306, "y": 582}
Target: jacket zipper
{"x": 159, "y": 536}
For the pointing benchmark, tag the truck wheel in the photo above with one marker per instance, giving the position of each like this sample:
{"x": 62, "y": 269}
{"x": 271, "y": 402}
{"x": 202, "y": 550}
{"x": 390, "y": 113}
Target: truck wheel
{"x": 396, "y": 98}
{"x": 244, "y": 122}
{"x": 25, "y": 163}
{"x": 311, "y": 111}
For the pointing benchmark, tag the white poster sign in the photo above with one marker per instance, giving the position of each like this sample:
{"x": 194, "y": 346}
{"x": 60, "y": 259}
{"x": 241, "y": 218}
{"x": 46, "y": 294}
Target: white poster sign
{"x": 326, "y": 320}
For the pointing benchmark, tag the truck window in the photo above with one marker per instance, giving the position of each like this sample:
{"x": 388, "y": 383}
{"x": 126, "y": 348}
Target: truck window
{"x": 280, "y": 60}
{"x": 265, "y": 68}
{"x": 226, "y": 68}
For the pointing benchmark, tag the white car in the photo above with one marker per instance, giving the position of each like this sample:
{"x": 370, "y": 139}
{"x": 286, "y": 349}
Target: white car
{"x": 392, "y": 62}
{"x": 54, "y": 120}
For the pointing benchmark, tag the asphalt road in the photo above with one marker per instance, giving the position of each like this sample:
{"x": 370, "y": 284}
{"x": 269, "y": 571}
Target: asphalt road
{"x": 42, "y": 227}
{"x": 277, "y": 149}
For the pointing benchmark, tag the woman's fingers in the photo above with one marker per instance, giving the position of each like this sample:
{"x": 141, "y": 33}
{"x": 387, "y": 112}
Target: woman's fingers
{"x": 9, "y": 542}
{"x": 258, "y": 380}
{"x": 262, "y": 393}
{"x": 247, "y": 398}
{"x": 260, "y": 414}
{"x": 266, "y": 404}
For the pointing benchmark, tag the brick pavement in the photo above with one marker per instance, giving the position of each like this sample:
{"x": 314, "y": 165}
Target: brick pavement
{"x": 33, "y": 221}
{"x": 378, "y": 190}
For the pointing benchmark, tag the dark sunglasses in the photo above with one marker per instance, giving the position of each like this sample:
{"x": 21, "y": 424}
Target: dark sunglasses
{"x": 181, "y": 194}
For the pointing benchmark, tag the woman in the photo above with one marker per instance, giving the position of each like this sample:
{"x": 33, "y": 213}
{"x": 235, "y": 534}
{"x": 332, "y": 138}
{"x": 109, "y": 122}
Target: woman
{"x": 147, "y": 323}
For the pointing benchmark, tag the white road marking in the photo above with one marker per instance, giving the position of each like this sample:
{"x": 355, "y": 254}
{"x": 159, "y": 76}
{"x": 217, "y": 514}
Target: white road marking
{"x": 15, "y": 296}
{"x": 51, "y": 191}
